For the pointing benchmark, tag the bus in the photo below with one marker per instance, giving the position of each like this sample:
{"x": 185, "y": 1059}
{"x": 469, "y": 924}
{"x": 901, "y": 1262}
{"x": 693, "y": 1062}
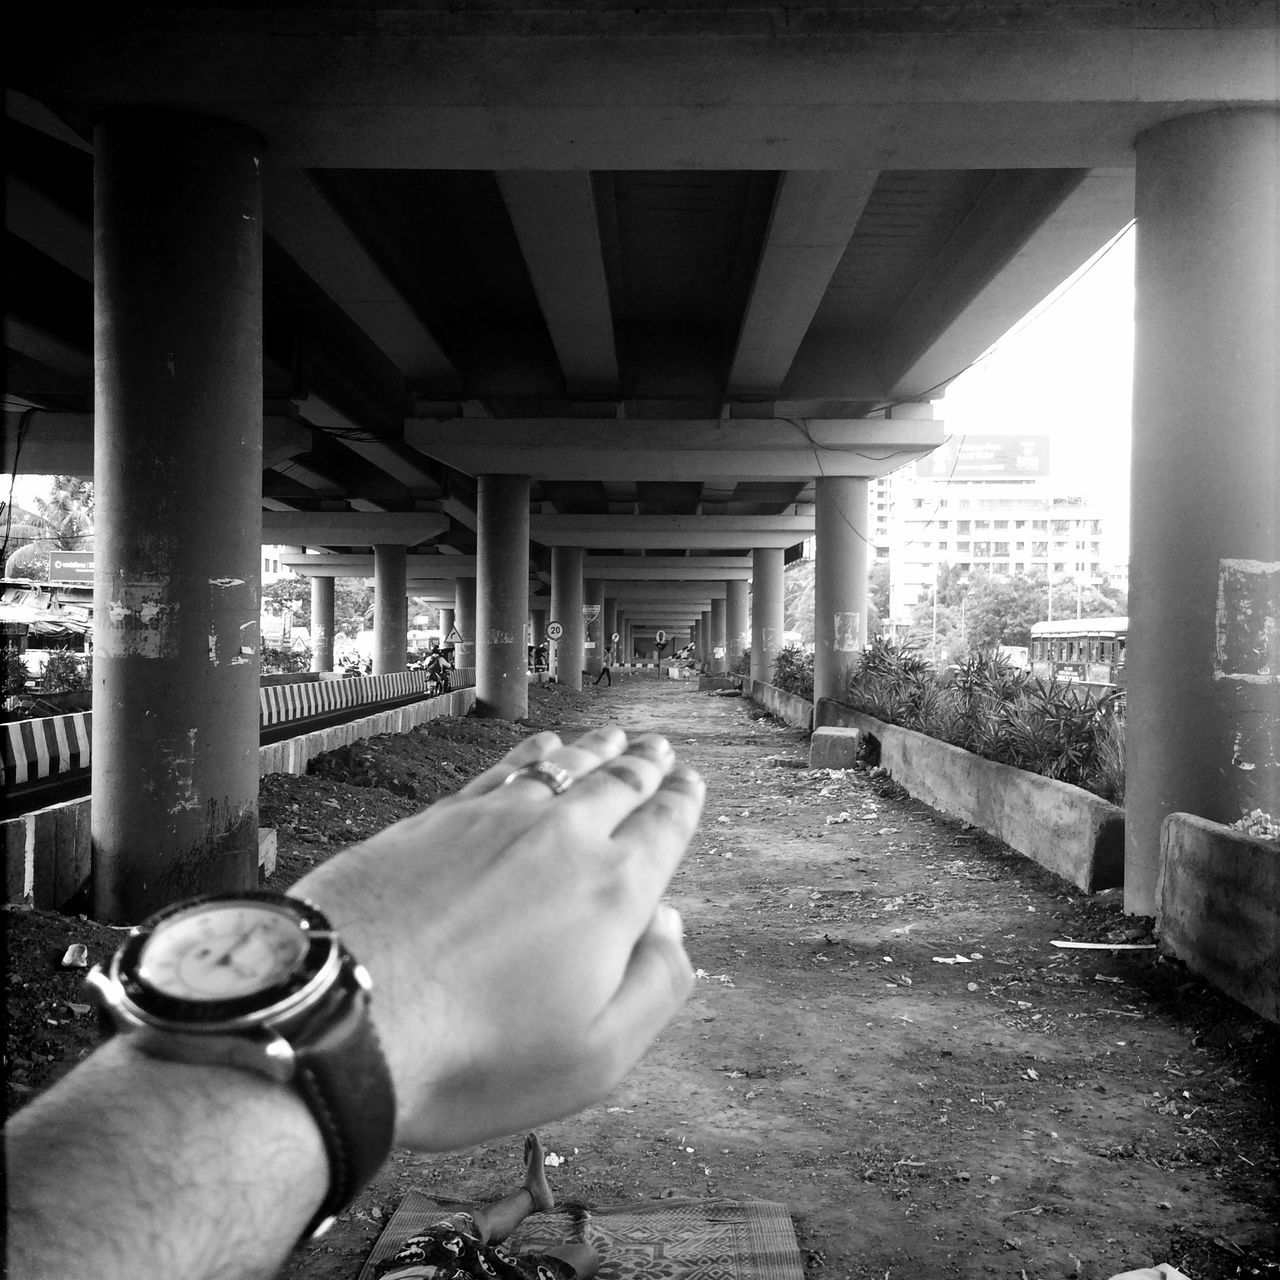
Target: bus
{"x": 1090, "y": 650}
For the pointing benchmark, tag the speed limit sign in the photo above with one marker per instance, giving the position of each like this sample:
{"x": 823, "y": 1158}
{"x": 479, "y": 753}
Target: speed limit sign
{"x": 554, "y": 630}
{"x": 660, "y": 637}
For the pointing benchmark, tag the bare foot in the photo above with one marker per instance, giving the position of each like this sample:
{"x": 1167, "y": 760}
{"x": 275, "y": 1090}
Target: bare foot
{"x": 535, "y": 1178}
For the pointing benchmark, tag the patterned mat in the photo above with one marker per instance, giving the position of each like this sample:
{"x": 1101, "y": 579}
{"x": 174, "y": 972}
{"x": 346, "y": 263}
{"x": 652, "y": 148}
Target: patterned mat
{"x": 643, "y": 1240}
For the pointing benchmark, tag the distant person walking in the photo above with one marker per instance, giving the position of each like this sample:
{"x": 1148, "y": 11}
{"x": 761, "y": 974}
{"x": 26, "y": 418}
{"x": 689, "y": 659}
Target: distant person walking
{"x": 605, "y": 663}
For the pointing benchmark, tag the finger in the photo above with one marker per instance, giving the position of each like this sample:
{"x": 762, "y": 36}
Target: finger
{"x": 612, "y": 791}
{"x": 576, "y": 760}
{"x": 668, "y": 817}
{"x": 537, "y": 747}
{"x": 657, "y": 982}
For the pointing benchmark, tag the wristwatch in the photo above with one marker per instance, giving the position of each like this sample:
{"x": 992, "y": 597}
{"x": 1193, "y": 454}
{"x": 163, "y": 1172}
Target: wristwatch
{"x": 262, "y": 982}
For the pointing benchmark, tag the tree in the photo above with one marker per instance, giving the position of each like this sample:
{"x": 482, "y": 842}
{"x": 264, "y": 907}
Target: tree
{"x": 797, "y": 600}
{"x": 62, "y": 521}
{"x": 352, "y": 599}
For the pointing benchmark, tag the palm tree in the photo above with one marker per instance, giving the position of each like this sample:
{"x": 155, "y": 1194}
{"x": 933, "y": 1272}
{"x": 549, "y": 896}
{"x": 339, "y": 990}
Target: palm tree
{"x": 61, "y": 522}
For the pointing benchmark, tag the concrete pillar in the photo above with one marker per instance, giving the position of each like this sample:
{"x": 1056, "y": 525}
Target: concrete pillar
{"x": 719, "y": 644}
{"x": 390, "y": 609}
{"x": 464, "y": 619}
{"x": 593, "y": 631}
{"x": 736, "y": 621}
{"x": 1203, "y": 717}
{"x": 566, "y": 609}
{"x": 767, "y": 622}
{"x": 502, "y": 597}
{"x": 706, "y": 639}
{"x": 839, "y": 581}
{"x": 178, "y": 483}
{"x": 322, "y": 624}
{"x": 446, "y": 623}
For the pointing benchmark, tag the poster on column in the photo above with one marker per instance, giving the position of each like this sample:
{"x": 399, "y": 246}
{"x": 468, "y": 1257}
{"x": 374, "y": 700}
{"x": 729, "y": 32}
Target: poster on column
{"x": 846, "y": 633}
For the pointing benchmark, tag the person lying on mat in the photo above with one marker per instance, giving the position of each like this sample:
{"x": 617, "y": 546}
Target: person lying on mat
{"x": 468, "y": 1246}
{"x": 515, "y": 959}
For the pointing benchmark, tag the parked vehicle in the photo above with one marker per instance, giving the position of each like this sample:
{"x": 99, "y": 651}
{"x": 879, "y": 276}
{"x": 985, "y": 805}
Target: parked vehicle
{"x": 1086, "y": 649}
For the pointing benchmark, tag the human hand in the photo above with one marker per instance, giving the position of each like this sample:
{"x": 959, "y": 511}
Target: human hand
{"x": 521, "y": 955}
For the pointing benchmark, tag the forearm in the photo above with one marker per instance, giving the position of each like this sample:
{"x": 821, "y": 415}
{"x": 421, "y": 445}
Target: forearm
{"x": 131, "y": 1168}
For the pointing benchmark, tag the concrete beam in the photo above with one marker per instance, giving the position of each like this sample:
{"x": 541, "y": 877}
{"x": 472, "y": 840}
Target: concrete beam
{"x": 313, "y": 234}
{"x": 670, "y": 533}
{"x": 814, "y": 215}
{"x": 735, "y": 449}
{"x": 631, "y": 569}
{"x": 554, "y": 217}
{"x": 352, "y": 528}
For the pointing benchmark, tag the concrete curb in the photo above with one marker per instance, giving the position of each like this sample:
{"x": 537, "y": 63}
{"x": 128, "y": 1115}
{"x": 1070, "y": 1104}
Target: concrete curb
{"x": 1065, "y": 829}
{"x": 795, "y": 711}
{"x": 1218, "y": 908}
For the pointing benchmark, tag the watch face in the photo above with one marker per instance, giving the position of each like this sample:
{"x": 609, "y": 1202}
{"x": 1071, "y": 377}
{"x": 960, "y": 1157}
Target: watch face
{"x": 222, "y": 951}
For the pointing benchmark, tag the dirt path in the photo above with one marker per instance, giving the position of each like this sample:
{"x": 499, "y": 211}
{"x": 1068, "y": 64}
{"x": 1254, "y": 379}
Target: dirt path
{"x": 1030, "y": 1112}
{"x": 1034, "y": 1111}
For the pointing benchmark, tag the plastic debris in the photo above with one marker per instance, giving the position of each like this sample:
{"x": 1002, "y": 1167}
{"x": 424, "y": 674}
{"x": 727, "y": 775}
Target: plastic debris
{"x": 76, "y": 956}
{"x": 1103, "y": 946}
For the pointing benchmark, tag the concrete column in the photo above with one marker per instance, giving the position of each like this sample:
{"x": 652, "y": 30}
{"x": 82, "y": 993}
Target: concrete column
{"x": 719, "y": 644}
{"x": 705, "y": 639}
{"x": 446, "y": 623}
{"x": 502, "y": 597}
{"x": 464, "y": 618}
{"x": 736, "y": 621}
{"x": 178, "y": 482}
{"x": 322, "y": 624}
{"x": 1203, "y": 715}
{"x": 839, "y": 581}
{"x": 767, "y": 623}
{"x": 566, "y": 609}
{"x": 390, "y": 609}
{"x": 593, "y": 631}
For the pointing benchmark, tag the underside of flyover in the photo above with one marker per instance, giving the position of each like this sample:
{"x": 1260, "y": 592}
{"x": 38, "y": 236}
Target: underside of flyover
{"x": 309, "y": 276}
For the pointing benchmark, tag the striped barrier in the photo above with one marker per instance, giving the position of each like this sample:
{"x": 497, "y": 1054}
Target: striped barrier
{"x": 45, "y": 747}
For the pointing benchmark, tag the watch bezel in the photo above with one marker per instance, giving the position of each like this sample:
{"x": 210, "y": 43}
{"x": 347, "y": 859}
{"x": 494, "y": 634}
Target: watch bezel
{"x": 307, "y": 982}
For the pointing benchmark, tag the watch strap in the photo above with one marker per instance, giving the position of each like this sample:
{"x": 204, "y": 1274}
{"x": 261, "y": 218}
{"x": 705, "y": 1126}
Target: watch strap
{"x": 342, "y": 1076}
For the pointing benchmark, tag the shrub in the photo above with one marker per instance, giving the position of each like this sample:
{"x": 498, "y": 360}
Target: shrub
{"x": 67, "y": 672}
{"x": 284, "y": 661}
{"x": 986, "y": 706}
{"x": 16, "y": 674}
{"x": 793, "y": 672}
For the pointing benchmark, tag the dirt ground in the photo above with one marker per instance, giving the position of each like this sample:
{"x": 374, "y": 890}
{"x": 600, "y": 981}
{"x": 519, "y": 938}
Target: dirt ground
{"x": 882, "y": 1036}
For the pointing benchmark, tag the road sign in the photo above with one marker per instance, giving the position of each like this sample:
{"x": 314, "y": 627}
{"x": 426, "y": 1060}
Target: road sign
{"x": 661, "y": 637}
{"x": 616, "y": 637}
{"x": 590, "y": 612}
{"x": 554, "y": 631}
{"x": 454, "y": 636}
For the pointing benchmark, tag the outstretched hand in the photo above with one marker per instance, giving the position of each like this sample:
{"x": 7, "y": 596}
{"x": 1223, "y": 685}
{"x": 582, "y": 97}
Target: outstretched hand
{"x": 521, "y": 954}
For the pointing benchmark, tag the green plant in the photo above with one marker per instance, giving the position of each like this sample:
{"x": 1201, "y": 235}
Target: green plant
{"x": 16, "y": 674}
{"x": 986, "y": 706}
{"x": 793, "y": 672}
{"x": 284, "y": 661}
{"x": 67, "y": 672}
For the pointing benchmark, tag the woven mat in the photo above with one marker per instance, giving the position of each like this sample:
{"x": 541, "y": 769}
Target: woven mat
{"x": 643, "y": 1240}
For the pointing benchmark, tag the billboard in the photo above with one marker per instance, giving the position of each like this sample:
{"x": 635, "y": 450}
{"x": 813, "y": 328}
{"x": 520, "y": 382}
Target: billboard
{"x": 71, "y": 566}
{"x": 987, "y": 458}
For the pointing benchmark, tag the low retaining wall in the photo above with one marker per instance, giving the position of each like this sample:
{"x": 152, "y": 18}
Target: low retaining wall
{"x": 48, "y": 853}
{"x": 1218, "y": 908}
{"x": 1068, "y": 831}
{"x": 786, "y": 706}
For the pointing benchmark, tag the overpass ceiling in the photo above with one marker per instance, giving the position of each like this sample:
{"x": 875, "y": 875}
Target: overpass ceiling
{"x": 624, "y": 214}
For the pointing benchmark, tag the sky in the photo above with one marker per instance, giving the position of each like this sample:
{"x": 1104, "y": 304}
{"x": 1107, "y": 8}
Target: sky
{"x": 1066, "y": 370}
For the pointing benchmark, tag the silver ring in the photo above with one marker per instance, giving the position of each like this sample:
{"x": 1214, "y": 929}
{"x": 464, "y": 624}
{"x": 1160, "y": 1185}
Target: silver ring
{"x": 551, "y": 775}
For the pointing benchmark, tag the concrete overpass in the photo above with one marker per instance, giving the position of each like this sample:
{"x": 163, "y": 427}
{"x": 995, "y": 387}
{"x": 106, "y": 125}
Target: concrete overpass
{"x": 610, "y": 282}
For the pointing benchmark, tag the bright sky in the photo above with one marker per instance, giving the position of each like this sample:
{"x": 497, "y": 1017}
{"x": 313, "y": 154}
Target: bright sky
{"x": 1066, "y": 370}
